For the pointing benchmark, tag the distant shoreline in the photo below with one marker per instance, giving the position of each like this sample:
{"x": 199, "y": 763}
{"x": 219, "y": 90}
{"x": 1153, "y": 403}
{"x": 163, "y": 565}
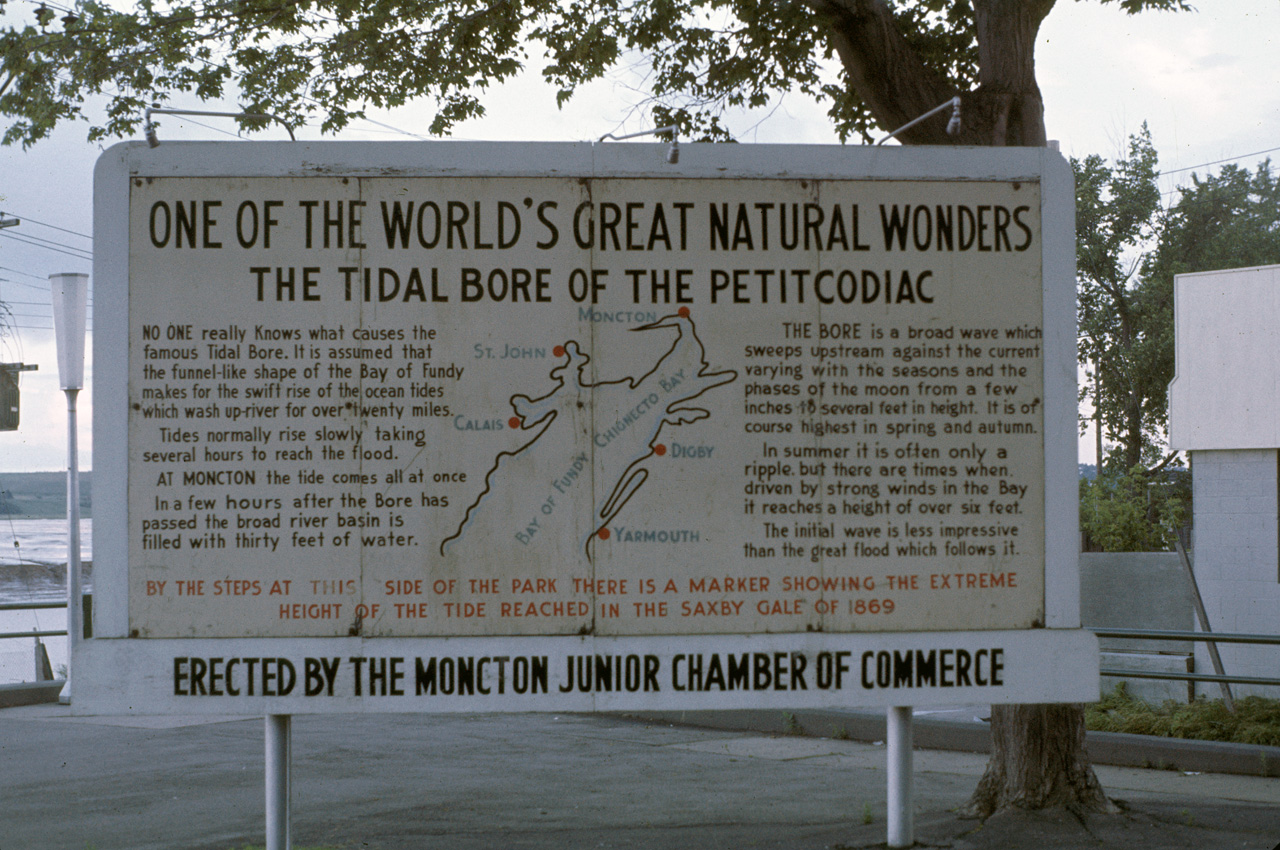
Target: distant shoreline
{"x": 28, "y": 573}
{"x": 41, "y": 495}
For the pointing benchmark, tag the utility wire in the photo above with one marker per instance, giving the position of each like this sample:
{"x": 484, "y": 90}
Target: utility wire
{"x": 26, "y": 219}
{"x": 25, "y": 274}
{"x": 235, "y": 136}
{"x": 32, "y": 285}
{"x": 42, "y": 240}
{"x": 48, "y": 243}
{"x": 1219, "y": 162}
{"x": 46, "y": 247}
{"x": 46, "y": 305}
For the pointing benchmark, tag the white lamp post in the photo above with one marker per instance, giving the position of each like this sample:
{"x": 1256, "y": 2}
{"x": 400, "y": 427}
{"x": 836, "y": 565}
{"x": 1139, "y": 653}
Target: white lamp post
{"x": 70, "y": 306}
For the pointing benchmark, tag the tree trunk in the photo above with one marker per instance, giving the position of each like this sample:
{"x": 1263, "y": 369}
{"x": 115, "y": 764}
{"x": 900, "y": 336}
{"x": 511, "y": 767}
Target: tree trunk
{"x": 1133, "y": 431}
{"x": 1005, "y": 109}
{"x": 1037, "y": 757}
{"x": 884, "y": 70}
{"x": 1038, "y": 761}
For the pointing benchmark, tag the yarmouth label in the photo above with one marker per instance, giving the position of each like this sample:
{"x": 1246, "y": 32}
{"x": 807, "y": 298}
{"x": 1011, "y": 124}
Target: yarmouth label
{"x": 431, "y": 406}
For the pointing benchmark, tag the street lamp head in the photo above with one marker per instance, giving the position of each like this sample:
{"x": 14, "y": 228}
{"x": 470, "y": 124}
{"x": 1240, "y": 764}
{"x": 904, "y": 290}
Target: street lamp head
{"x": 70, "y": 308}
{"x": 953, "y": 126}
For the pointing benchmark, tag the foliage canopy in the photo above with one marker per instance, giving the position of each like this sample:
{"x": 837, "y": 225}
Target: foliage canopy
{"x": 1135, "y": 511}
{"x": 1223, "y": 221}
{"x": 1124, "y": 319}
{"x": 872, "y": 62}
{"x": 1128, "y": 250}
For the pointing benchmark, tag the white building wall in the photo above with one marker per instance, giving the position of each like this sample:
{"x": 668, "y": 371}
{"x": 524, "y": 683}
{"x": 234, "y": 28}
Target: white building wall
{"x": 1224, "y": 407}
{"x": 1226, "y": 389}
{"x": 1237, "y": 559}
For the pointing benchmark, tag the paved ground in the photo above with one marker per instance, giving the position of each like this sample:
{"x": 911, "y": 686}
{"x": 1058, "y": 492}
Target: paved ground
{"x": 389, "y": 782}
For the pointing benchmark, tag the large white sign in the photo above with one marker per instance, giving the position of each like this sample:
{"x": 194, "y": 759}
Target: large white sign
{"x": 394, "y": 394}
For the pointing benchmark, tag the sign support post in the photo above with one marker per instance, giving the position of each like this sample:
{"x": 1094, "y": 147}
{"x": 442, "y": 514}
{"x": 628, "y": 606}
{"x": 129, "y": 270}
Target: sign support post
{"x": 75, "y": 606}
{"x": 901, "y": 800}
{"x": 70, "y": 304}
{"x": 279, "y": 782}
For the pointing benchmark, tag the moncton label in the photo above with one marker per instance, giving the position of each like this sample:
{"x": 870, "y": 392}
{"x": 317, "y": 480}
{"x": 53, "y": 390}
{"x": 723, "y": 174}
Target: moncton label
{"x": 459, "y": 406}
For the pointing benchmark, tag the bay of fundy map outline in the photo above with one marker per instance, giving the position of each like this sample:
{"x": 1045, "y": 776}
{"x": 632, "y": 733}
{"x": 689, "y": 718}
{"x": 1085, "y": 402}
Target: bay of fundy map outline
{"x": 521, "y": 501}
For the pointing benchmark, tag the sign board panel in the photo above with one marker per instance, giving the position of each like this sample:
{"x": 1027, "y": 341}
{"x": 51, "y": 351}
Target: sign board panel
{"x": 399, "y": 397}
{"x": 9, "y": 398}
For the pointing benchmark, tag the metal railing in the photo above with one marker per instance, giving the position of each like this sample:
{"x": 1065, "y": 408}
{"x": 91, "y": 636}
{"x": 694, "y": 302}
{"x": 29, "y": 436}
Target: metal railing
{"x": 32, "y": 606}
{"x": 44, "y": 673}
{"x": 1206, "y": 637}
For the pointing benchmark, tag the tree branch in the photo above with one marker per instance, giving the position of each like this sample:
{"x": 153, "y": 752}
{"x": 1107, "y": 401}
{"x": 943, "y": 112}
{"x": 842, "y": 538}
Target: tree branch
{"x": 1169, "y": 458}
{"x": 884, "y": 69}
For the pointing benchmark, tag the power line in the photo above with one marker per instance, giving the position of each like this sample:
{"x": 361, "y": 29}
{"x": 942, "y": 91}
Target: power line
{"x": 25, "y": 274}
{"x": 38, "y": 242}
{"x": 47, "y": 305}
{"x": 388, "y": 127}
{"x": 48, "y": 327}
{"x": 32, "y": 285}
{"x": 1220, "y": 161}
{"x": 235, "y": 136}
{"x": 364, "y": 118}
{"x": 1183, "y": 189}
{"x": 53, "y": 5}
{"x": 44, "y": 311}
{"x": 70, "y": 253}
{"x": 26, "y": 219}
{"x": 42, "y": 240}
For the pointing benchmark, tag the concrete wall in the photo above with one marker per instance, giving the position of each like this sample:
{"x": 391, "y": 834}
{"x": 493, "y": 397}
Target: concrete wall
{"x": 1136, "y": 590}
{"x": 1139, "y": 590}
{"x": 1237, "y": 560}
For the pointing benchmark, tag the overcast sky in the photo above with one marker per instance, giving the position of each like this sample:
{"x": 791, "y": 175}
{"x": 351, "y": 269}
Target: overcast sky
{"x": 1207, "y": 83}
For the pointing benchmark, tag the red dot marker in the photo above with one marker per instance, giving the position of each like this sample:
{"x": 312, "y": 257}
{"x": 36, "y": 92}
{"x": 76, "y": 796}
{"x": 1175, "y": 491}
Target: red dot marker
{"x": 684, "y": 312}
{"x": 603, "y": 534}
{"x": 660, "y": 450}
{"x": 558, "y": 351}
{"x": 514, "y": 423}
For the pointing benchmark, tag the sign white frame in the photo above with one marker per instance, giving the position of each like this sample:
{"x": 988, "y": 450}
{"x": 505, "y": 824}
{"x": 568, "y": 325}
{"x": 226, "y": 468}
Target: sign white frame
{"x": 122, "y": 674}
